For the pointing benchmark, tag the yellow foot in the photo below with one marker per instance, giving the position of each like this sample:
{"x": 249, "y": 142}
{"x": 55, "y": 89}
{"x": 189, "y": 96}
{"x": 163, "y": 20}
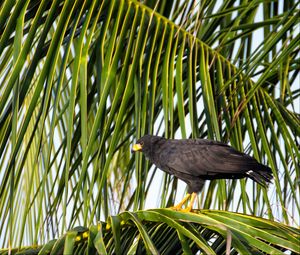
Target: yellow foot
{"x": 188, "y": 209}
{"x": 178, "y": 207}
{"x": 175, "y": 208}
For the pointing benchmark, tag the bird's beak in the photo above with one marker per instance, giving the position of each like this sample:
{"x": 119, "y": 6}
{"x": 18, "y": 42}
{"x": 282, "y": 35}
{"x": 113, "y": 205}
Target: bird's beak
{"x": 136, "y": 147}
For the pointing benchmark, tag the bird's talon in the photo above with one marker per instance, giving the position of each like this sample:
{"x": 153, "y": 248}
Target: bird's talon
{"x": 175, "y": 208}
{"x": 188, "y": 209}
{"x": 179, "y": 209}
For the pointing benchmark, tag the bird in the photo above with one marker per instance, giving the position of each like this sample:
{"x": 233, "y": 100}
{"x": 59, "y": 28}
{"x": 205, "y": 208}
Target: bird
{"x": 196, "y": 160}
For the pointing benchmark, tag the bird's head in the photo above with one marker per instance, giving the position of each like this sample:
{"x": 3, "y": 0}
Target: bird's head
{"x": 145, "y": 144}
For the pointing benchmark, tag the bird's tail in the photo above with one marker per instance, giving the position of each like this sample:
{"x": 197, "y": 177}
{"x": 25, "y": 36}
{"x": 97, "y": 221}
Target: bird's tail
{"x": 262, "y": 175}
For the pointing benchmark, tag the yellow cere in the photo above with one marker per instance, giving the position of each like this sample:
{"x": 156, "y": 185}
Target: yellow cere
{"x": 137, "y": 147}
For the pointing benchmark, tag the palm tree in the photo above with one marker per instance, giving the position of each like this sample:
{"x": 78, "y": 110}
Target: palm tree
{"x": 81, "y": 80}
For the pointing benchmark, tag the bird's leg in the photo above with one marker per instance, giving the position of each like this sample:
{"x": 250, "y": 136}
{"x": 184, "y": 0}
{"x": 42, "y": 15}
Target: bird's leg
{"x": 180, "y": 204}
{"x": 190, "y": 206}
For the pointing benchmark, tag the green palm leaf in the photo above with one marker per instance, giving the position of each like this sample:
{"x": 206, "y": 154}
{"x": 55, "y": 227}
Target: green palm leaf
{"x": 80, "y": 81}
{"x": 163, "y": 231}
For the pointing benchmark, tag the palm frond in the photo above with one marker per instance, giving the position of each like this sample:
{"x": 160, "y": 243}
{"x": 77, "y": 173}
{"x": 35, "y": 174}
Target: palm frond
{"x": 81, "y": 81}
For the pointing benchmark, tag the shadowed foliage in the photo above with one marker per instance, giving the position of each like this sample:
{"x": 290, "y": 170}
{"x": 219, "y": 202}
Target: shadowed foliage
{"x": 163, "y": 231}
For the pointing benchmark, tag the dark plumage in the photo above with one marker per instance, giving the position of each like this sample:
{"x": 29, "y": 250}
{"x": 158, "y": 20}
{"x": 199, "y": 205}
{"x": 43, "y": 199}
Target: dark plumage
{"x": 197, "y": 160}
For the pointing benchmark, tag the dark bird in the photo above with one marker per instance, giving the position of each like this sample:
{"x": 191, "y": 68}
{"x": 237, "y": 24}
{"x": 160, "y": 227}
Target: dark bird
{"x": 196, "y": 160}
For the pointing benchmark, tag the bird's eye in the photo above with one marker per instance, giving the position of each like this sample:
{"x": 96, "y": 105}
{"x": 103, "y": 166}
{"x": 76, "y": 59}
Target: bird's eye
{"x": 141, "y": 143}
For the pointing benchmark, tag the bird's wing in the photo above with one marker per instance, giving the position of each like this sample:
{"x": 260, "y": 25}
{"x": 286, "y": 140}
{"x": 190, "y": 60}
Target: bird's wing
{"x": 204, "y": 158}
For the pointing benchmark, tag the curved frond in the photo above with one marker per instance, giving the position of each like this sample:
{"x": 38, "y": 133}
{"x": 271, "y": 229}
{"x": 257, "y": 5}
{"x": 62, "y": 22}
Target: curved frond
{"x": 80, "y": 81}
